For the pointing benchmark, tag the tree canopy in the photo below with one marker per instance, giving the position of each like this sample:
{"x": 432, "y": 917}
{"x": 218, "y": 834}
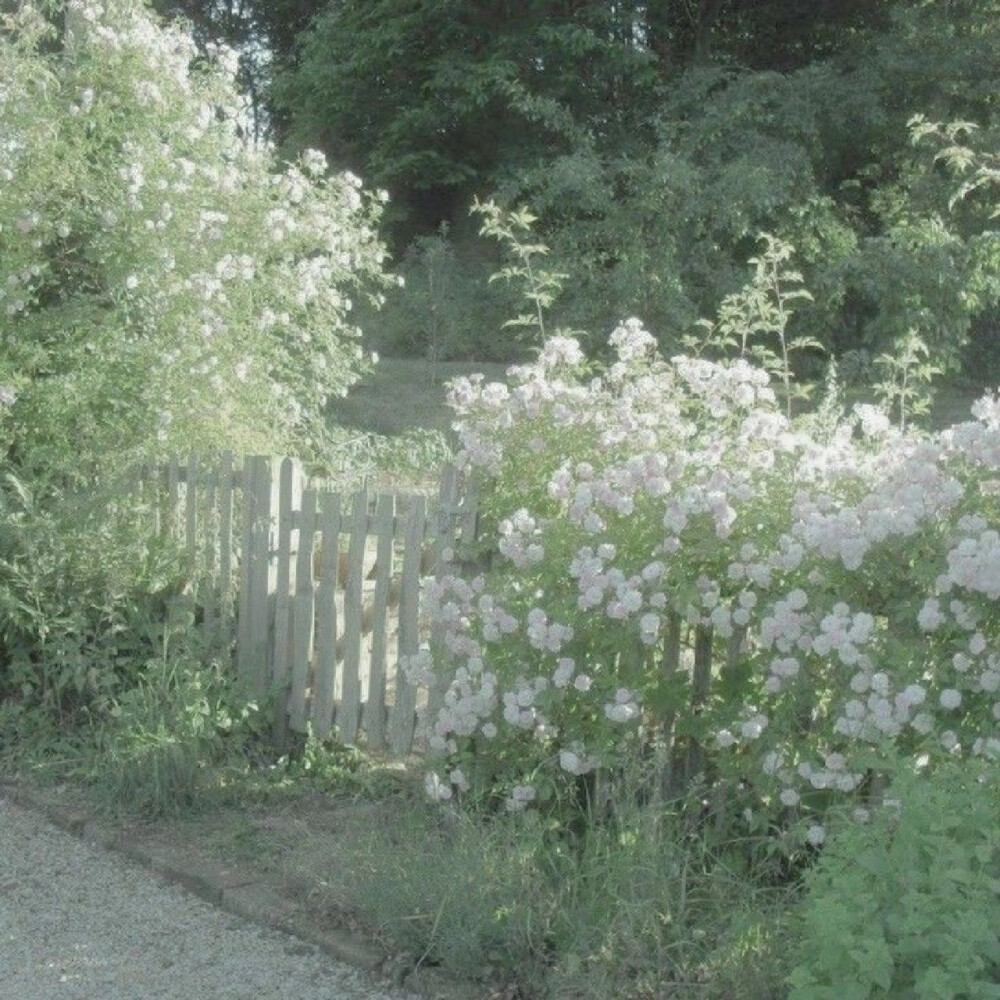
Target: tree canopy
{"x": 656, "y": 140}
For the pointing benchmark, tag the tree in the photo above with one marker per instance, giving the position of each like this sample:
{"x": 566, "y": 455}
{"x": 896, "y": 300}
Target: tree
{"x": 656, "y": 139}
{"x": 426, "y": 96}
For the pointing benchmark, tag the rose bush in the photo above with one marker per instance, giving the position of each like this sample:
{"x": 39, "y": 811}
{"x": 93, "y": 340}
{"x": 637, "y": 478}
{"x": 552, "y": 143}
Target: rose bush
{"x": 164, "y": 285}
{"x": 846, "y": 575}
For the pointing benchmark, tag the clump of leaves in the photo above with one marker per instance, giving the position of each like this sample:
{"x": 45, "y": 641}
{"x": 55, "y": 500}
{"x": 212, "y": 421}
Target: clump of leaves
{"x": 908, "y": 904}
{"x": 338, "y": 768}
{"x": 756, "y": 316}
{"x": 181, "y": 719}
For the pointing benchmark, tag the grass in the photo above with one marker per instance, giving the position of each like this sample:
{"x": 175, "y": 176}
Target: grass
{"x": 634, "y": 911}
{"x": 405, "y": 393}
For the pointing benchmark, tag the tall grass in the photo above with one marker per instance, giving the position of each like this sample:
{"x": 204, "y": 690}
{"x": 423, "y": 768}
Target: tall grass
{"x": 636, "y": 908}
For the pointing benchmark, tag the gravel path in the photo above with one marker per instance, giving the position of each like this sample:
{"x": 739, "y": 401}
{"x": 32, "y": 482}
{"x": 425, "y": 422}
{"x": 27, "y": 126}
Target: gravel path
{"x": 77, "y": 923}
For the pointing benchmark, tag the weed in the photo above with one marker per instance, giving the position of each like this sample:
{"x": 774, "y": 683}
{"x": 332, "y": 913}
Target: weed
{"x": 631, "y": 909}
{"x": 164, "y": 734}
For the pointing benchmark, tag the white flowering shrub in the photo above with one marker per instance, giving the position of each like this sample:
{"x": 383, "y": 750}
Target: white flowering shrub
{"x": 850, "y": 581}
{"x": 163, "y": 285}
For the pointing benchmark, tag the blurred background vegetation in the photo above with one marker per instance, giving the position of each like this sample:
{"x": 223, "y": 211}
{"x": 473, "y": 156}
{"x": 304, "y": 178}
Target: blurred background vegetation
{"x": 655, "y": 140}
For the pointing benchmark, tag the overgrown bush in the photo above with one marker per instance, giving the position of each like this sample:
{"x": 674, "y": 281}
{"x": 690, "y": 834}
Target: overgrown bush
{"x": 907, "y": 902}
{"x": 168, "y": 732}
{"x": 165, "y": 287}
{"x": 441, "y": 310}
{"x": 842, "y": 572}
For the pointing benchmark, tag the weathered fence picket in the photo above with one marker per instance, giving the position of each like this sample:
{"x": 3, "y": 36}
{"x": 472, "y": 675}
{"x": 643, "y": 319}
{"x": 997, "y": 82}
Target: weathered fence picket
{"x": 325, "y": 666}
{"x": 375, "y": 707}
{"x": 281, "y": 662}
{"x": 191, "y": 515}
{"x": 349, "y": 711}
{"x": 226, "y": 483}
{"x": 669, "y": 667}
{"x": 701, "y": 679}
{"x": 209, "y": 558}
{"x": 401, "y": 722}
{"x": 303, "y": 623}
{"x": 173, "y": 494}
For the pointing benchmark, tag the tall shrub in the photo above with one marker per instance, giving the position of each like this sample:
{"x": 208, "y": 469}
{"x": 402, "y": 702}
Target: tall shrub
{"x": 164, "y": 285}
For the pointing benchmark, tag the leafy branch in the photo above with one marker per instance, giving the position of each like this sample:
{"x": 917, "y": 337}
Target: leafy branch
{"x": 760, "y": 312}
{"x": 539, "y": 287}
{"x": 908, "y": 373}
{"x": 982, "y": 170}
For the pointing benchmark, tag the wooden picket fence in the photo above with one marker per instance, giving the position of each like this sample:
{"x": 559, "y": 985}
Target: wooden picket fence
{"x": 316, "y": 595}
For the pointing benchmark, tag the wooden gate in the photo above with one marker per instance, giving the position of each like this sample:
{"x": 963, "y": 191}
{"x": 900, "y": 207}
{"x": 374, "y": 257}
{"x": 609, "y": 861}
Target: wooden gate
{"x": 315, "y": 594}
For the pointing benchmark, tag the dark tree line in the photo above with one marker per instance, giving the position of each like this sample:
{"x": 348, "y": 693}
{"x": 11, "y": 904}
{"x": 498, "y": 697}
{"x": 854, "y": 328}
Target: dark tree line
{"x": 655, "y": 139}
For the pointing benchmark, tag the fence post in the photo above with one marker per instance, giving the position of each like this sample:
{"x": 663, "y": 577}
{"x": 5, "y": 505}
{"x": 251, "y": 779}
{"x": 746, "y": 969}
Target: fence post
{"x": 701, "y": 679}
{"x": 191, "y": 519}
{"x": 669, "y": 666}
{"x": 169, "y": 525}
{"x": 469, "y": 529}
{"x": 226, "y": 483}
{"x": 209, "y": 590}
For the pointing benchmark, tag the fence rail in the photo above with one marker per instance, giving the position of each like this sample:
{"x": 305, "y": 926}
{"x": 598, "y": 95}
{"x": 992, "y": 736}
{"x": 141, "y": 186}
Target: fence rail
{"x": 316, "y": 593}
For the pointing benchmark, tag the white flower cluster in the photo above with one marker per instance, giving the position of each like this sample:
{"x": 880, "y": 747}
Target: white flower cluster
{"x": 726, "y": 516}
{"x": 176, "y": 214}
{"x": 519, "y": 540}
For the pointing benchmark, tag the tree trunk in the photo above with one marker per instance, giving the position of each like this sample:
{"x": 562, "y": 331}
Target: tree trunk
{"x": 707, "y": 15}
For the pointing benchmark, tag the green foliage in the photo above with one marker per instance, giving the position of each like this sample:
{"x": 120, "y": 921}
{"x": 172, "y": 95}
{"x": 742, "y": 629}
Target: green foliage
{"x": 459, "y": 893}
{"x": 442, "y": 311}
{"x": 655, "y": 141}
{"x": 424, "y": 99}
{"x": 907, "y": 372}
{"x": 761, "y": 312}
{"x": 539, "y": 287}
{"x": 181, "y": 719}
{"x": 350, "y": 457}
{"x": 907, "y": 904}
{"x": 81, "y": 585}
{"x": 335, "y": 769}
{"x": 165, "y": 287}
